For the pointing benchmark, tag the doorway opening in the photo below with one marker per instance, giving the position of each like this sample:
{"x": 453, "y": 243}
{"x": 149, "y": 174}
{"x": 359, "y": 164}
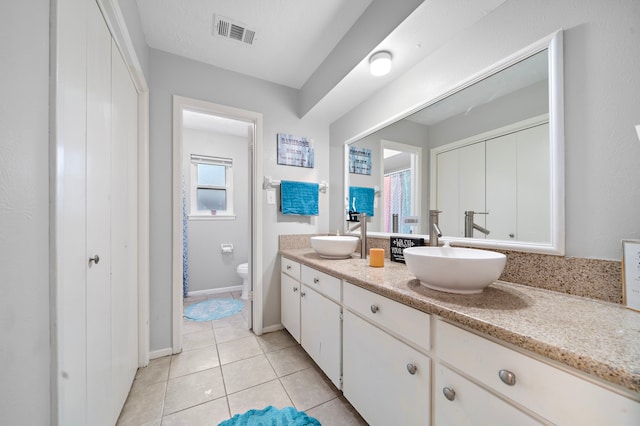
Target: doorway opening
{"x": 401, "y": 178}
{"x": 217, "y": 156}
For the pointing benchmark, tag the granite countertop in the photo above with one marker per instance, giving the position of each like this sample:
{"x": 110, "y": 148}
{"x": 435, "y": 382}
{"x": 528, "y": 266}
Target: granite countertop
{"x": 599, "y": 338}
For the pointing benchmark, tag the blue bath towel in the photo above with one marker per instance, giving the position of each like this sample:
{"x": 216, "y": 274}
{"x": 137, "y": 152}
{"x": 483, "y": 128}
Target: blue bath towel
{"x": 361, "y": 200}
{"x": 299, "y": 198}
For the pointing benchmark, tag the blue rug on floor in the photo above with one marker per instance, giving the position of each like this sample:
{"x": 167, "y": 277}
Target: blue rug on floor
{"x": 272, "y": 416}
{"x": 212, "y": 309}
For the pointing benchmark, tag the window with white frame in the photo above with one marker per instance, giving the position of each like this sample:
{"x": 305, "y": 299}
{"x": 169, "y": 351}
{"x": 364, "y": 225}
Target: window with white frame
{"x": 211, "y": 186}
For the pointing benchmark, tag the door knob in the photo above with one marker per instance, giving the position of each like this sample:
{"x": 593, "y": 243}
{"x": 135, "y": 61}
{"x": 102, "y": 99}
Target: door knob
{"x": 95, "y": 259}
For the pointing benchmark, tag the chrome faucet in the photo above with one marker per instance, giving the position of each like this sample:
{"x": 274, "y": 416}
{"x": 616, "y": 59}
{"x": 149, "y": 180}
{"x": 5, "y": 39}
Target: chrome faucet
{"x": 469, "y": 226}
{"x": 434, "y": 229}
{"x": 361, "y": 219}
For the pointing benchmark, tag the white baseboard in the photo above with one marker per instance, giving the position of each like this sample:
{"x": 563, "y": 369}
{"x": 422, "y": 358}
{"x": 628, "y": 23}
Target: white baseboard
{"x": 271, "y": 328}
{"x": 214, "y": 291}
{"x": 160, "y": 353}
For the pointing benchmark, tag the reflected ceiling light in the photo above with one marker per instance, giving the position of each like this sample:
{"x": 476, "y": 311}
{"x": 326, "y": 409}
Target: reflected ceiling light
{"x": 380, "y": 63}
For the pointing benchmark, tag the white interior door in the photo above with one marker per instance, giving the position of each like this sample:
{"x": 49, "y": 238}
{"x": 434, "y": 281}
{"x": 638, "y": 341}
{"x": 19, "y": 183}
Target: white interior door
{"x": 98, "y": 187}
{"x": 502, "y": 187}
{"x": 124, "y": 230}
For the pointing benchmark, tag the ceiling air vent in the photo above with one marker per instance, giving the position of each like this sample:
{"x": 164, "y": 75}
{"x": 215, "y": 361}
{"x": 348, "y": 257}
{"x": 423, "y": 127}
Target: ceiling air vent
{"x": 233, "y": 30}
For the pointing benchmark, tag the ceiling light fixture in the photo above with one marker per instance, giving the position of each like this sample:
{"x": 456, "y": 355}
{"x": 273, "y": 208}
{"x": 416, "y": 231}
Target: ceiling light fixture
{"x": 380, "y": 63}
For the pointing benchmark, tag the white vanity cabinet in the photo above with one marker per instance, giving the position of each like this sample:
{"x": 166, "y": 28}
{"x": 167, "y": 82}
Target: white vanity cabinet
{"x": 385, "y": 378}
{"x": 311, "y": 312}
{"x": 557, "y": 396}
{"x": 290, "y": 287}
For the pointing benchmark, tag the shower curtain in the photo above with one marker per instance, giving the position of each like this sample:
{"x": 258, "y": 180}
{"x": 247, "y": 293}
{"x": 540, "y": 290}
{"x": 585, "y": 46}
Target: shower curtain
{"x": 397, "y": 199}
{"x": 185, "y": 245}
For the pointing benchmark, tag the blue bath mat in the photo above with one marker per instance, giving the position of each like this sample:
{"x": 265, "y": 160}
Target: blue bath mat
{"x": 212, "y": 309}
{"x": 272, "y": 416}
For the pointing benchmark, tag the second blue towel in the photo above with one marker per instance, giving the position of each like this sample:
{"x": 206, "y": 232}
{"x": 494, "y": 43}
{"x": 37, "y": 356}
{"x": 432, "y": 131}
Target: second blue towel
{"x": 361, "y": 199}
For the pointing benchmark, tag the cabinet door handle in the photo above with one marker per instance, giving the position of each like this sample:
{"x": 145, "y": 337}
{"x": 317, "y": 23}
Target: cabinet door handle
{"x": 295, "y": 289}
{"x": 507, "y": 377}
{"x": 316, "y": 280}
{"x": 302, "y": 294}
{"x": 288, "y": 267}
{"x": 449, "y": 393}
{"x": 95, "y": 259}
{"x": 374, "y": 309}
{"x": 411, "y": 368}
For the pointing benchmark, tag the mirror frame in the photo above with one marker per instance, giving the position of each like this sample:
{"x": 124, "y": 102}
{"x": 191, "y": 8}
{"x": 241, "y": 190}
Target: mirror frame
{"x": 553, "y": 43}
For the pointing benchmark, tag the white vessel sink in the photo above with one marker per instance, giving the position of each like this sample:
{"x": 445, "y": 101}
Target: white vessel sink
{"x": 454, "y": 269}
{"x": 334, "y": 246}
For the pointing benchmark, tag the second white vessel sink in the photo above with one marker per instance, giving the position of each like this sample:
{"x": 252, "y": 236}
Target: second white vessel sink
{"x": 334, "y": 246}
{"x": 454, "y": 269}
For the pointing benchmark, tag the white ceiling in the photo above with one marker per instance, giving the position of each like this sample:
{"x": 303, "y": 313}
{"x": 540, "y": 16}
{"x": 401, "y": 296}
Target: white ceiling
{"x": 297, "y": 38}
{"x": 292, "y": 39}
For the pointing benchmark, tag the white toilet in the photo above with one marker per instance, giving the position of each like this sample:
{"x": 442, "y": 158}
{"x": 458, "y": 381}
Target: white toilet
{"x": 243, "y": 271}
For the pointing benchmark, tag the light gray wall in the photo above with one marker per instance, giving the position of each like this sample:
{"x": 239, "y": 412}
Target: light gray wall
{"x": 25, "y": 353}
{"x": 175, "y": 75}
{"x": 601, "y": 62}
{"x": 525, "y": 103}
{"x": 208, "y": 267}
{"x": 406, "y": 132}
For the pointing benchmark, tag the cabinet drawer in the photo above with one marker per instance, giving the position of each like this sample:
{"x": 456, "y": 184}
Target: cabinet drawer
{"x": 399, "y": 319}
{"x": 290, "y": 267}
{"x": 322, "y": 283}
{"x": 459, "y": 401}
{"x": 559, "y": 396}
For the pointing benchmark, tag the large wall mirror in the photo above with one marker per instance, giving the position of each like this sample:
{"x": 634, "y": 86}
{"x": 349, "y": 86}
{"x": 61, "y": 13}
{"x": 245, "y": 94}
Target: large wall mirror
{"x": 489, "y": 155}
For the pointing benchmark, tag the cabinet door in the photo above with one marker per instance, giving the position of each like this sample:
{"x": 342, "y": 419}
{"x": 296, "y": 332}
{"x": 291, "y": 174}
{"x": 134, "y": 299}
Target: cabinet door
{"x": 378, "y": 379}
{"x": 290, "y": 305}
{"x": 459, "y": 401}
{"x": 320, "y": 329}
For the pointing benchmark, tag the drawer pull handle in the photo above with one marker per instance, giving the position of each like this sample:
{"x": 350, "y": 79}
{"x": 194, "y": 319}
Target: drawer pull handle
{"x": 449, "y": 393}
{"x": 374, "y": 309}
{"x": 295, "y": 289}
{"x": 507, "y": 377}
{"x": 316, "y": 280}
{"x": 288, "y": 267}
{"x": 303, "y": 294}
{"x": 411, "y": 368}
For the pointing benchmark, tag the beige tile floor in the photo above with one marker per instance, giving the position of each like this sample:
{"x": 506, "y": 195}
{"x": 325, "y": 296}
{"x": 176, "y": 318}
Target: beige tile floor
{"x": 224, "y": 369}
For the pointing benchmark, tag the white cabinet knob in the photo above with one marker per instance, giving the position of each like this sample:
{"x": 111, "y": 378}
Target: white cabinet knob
{"x": 411, "y": 368}
{"x": 374, "y": 309}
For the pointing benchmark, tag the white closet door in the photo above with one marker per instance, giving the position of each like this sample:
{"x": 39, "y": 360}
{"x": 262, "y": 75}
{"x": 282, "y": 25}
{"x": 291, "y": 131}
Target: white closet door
{"x": 501, "y": 187}
{"x": 448, "y": 189}
{"x": 534, "y": 181}
{"x": 98, "y": 290}
{"x": 124, "y": 250}
{"x": 472, "y": 185}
